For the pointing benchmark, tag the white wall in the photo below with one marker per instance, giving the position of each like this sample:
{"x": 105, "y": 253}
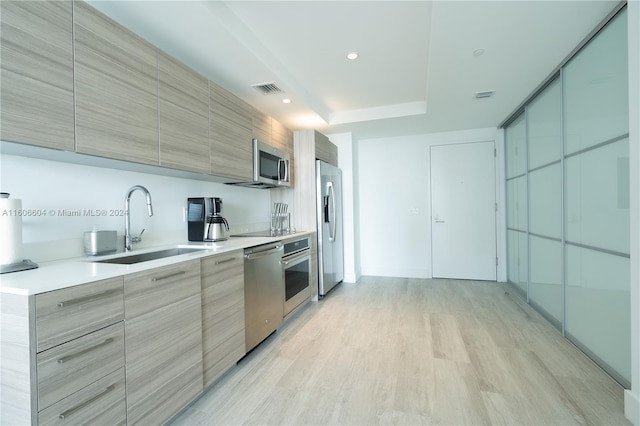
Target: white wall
{"x": 632, "y": 397}
{"x": 53, "y": 186}
{"x": 393, "y": 201}
{"x": 344, "y": 142}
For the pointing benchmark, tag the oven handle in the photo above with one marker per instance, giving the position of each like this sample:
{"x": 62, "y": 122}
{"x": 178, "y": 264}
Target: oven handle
{"x": 294, "y": 259}
{"x": 264, "y": 253}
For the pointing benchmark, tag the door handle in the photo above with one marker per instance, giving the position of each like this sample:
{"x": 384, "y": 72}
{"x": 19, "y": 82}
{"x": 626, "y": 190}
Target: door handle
{"x": 438, "y": 221}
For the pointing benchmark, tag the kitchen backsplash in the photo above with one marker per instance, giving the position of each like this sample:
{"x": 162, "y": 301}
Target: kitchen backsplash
{"x": 60, "y": 201}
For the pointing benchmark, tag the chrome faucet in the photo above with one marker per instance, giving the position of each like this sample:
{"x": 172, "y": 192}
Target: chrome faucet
{"x": 128, "y": 239}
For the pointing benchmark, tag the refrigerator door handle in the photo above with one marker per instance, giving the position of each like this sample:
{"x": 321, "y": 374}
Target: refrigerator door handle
{"x": 325, "y": 209}
{"x": 332, "y": 221}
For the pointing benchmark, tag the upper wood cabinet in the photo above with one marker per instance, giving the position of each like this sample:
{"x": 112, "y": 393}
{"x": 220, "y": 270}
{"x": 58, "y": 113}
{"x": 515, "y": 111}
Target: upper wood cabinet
{"x": 184, "y": 116}
{"x": 325, "y": 149}
{"x": 271, "y": 131}
{"x": 281, "y": 137}
{"x": 36, "y": 75}
{"x": 230, "y": 130}
{"x": 74, "y": 79}
{"x": 116, "y": 77}
{"x": 261, "y": 124}
{"x": 309, "y": 145}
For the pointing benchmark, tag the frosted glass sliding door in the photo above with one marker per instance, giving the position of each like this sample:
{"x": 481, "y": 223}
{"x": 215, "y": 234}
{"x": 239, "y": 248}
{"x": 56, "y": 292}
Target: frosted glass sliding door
{"x": 567, "y": 188}
{"x": 598, "y": 308}
{"x": 597, "y": 315}
{"x": 544, "y": 142}
{"x": 516, "y": 173}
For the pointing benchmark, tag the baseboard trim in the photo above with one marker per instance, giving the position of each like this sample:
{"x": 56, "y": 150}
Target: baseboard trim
{"x": 632, "y": 407}
{"x": 350, "y": 278}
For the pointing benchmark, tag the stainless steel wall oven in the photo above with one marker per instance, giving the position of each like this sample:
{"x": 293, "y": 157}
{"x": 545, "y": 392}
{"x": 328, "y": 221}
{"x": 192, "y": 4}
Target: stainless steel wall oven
{"x": 296, "y": 264}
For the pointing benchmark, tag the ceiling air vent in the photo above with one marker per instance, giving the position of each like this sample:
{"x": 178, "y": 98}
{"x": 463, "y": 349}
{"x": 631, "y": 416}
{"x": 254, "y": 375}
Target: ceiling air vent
{"x": 268, "y": 88}
{"x": 487, "y": 94}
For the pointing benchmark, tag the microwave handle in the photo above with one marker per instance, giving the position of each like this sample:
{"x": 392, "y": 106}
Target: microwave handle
{"x": 283, "y": 170}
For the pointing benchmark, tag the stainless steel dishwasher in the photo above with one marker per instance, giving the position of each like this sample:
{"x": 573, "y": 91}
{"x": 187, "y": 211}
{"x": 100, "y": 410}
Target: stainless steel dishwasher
{"x": 263, "y": 292}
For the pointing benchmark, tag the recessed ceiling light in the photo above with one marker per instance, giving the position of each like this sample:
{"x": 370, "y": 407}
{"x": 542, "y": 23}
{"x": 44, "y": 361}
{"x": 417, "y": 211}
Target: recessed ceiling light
{"x": 352, "y": 55}
{"x": 478, "y": 52}
{"x": 286, "y": 101}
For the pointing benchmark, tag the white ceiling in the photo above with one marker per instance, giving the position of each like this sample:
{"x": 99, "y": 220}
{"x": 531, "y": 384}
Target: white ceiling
{"x": 416, "y": 72}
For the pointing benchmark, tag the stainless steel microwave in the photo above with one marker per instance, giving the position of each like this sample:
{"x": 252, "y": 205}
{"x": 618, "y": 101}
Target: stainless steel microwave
{"x": 270, "y": 167}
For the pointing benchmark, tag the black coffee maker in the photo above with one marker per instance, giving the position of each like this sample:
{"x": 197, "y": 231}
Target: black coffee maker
{"x": 200, "y": 210}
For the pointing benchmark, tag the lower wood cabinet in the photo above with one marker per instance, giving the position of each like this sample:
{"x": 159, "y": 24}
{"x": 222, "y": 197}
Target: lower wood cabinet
{"x": 134, "y": 349}
{"x": 79, "y": 359}
{"x": 163, "y": 341}
{"x": 72, "y": 312}
{"x": 101, "y": 403}
{"x": 223, "y": 339}
{"x": 73, "y": 365}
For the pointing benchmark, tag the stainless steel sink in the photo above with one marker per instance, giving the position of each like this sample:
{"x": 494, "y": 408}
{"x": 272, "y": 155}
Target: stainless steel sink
{"x": 144, "y": 257}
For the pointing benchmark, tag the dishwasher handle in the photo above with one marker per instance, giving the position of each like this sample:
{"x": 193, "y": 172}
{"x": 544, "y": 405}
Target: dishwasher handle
{"x": 257, "y": 255}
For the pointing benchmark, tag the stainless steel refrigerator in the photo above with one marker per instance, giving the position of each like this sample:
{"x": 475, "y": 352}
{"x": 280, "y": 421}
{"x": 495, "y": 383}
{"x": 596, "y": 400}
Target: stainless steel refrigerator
{"x": 329, "y": 226}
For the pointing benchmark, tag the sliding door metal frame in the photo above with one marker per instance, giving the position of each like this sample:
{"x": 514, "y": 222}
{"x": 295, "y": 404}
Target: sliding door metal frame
{"x": 545, "y": 237}
{"x": 563, "y": 256}
{"x": 544, "y": 166}
{"x": 599, "y": 249}
{"x": 528, "y": 181}
{"x": 599, "y": 145}
{"x": 514, "y": 285}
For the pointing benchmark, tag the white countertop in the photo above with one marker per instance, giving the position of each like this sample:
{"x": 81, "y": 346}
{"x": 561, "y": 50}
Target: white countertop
{"x": 59, "y": 274}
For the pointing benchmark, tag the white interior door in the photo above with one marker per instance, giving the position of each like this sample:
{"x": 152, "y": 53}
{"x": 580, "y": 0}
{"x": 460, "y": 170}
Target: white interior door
{"x": 463, "y": 212}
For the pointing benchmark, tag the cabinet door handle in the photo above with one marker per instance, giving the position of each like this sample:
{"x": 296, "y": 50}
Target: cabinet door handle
{"x": 80, "y": 406}
{"x": 89, "y": 298}
{"x": 165, "y": 277}
{"x": 84, "y": 351}
{"x": 220, "y": 262}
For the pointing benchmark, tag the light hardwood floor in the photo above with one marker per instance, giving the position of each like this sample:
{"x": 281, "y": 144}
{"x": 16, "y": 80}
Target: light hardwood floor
{"x": 413, "y": 351}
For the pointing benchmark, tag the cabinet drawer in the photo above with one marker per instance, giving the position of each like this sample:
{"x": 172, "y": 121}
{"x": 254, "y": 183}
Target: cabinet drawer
{"x": 159, "y": 287}
{"x": 68, "y": 368}
{"x": 66, "y": 314}
{"x": 101, "y": 403}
